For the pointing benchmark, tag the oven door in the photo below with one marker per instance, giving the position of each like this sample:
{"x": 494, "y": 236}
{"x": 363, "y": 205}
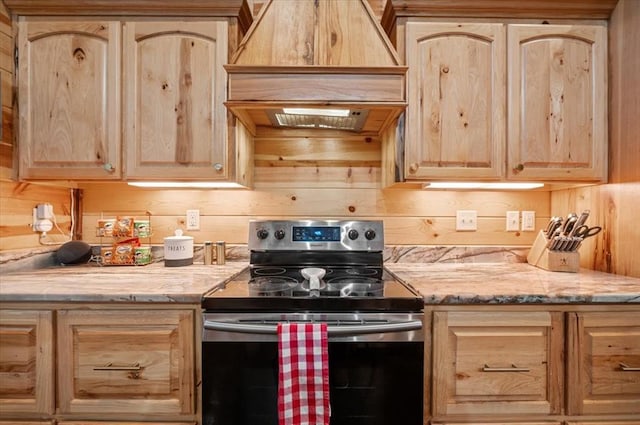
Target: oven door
{"x": 375, "y": 377}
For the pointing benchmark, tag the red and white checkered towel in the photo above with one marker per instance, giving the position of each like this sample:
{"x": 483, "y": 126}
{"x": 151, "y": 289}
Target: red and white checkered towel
{"x": 303, "y": 381}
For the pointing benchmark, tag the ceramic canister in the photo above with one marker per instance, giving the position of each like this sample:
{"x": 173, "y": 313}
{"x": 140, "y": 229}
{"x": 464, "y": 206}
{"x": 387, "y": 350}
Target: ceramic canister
{"x": 178, "y": 250}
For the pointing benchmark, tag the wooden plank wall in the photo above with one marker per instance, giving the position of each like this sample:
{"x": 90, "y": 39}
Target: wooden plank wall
{"x": 17, "y": 201}
{"x": 614, "y": 206}
{"x": 411, "y": 217}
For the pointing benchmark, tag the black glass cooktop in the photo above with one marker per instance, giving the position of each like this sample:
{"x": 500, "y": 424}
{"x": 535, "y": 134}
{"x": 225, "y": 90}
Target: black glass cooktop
{"x": 342, "y": 288}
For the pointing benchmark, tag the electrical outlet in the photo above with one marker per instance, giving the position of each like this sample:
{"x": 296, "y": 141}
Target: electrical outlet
{"x": 513, "y": 221}
{"x": 193, "y": 219}
{"x": 44, "y": 211}
{"x": 42, "y": 215}
{"x": 466, "y": 220}
{"x": 528, "y": 221}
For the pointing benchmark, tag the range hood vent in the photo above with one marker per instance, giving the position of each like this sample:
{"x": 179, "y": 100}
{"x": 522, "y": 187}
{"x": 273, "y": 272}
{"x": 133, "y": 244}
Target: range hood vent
{"x": 318, "y": 55}
{"x": 351, "y": 120}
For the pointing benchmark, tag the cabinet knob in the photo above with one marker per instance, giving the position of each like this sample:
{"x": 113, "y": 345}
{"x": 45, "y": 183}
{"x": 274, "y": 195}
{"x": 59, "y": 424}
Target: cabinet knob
{"x": 518, "y": 168}
{"x": 108, "y": 167}
{"x": 413, "y": 168}
{"x": 217, "y": 166}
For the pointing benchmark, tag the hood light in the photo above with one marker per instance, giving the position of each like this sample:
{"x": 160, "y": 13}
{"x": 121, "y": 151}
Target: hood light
{"x": 187, "y": 185}
{"x": 482, "y": 185}
{"x": 318, "y": 112}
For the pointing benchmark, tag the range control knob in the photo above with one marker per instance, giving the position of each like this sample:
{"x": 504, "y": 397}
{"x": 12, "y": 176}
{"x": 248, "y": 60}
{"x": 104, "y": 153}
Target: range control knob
{"x": 370, "y": 234}
{"x": 279, "y": 234}
{"x": 353, "y": 234}
{"x": 263, "y": 234}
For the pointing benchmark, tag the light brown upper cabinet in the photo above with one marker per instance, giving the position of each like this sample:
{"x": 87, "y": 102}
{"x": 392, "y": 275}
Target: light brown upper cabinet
{"x": 174, "y": 89}
{"x": 557, "y": 102}
{"x": 135, "y": 99}
{"x": 68, "y": 94}
{"x": 471, "y": 84}
{"x": 456, "y": 91}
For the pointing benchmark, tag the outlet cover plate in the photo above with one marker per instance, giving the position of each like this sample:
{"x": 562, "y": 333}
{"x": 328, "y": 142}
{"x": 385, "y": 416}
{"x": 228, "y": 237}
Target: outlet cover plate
{"x": 193, "y": 219}
{"x": 466, "y": 220}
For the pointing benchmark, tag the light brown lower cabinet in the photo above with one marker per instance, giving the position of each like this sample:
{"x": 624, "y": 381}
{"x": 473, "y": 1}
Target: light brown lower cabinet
{"x": 26, "y": 362}
{"x": 115, "y": 366}
{"x": 118, "y": 361}
{"x": 120, "y": 423}
{"x": 526, "y": 365}
{"x": 496, "y": 423}
{"x": 26, "y": 423}
{"x": 497, "y": 363}
{"x": 604, "y": 355}
{"x": 631, "y": 422}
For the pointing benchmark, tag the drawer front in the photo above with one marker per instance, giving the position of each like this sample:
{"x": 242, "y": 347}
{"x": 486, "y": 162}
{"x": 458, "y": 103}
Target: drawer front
{"x": 604, "y": 363}
{"x": 497, "y": 363}
{"x": 26, "y": 362}
{"x": 134, "y": 361}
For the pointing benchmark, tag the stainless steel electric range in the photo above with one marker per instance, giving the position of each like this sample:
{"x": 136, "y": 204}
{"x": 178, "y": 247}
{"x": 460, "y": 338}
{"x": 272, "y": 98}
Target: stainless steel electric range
{"x": 328, "y": 271}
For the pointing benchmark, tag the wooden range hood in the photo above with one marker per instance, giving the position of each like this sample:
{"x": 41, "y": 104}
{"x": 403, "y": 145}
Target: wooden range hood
{"x": 316, "y": 54}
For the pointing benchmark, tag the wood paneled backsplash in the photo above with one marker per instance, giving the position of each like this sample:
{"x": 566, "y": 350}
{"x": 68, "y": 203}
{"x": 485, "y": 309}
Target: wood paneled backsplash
{"x": 17, "y": 201}
{"x": 411, "y": 217}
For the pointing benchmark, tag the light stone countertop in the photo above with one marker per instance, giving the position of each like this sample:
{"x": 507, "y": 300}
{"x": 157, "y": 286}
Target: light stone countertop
{"x": 439, "y": 283}
{"x": 93, "y": 283}
{"x": 513, "y": 283}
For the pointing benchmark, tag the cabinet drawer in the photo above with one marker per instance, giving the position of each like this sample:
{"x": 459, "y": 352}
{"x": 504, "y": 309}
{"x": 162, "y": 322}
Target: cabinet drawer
{"x": 604, "y": 363}
{"x": 133, "y": 361}
{"x": 497, "y": 363}
{"x": 26, "y": 361}
{"x": 493, "y": 423}
{"x": 121, "y": 423}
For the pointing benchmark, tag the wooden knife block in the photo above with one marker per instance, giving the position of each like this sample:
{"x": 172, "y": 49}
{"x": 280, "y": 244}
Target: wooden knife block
{"x": 555, "y": 261}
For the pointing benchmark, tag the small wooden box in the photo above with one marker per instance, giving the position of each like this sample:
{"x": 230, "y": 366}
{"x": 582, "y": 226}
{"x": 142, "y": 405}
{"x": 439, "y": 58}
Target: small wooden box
{"x": 555, "y": 261}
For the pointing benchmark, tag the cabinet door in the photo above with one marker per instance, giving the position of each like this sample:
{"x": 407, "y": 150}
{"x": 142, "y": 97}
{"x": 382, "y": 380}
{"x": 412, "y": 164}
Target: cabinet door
{"x": 456, "y": 90}
{"x": 497, "y": 363}
{"x": 604, "y": 363}
{"x": 557, "y": 102}
{"x": 26, "y": 362}
{"x": 68, "y": 91}
{"x": 175, "y": 83}
{"x": 134, "y": 361}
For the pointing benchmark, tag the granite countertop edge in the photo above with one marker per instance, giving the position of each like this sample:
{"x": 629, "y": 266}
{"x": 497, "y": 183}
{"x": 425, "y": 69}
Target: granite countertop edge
{"x": 438, "y": 283}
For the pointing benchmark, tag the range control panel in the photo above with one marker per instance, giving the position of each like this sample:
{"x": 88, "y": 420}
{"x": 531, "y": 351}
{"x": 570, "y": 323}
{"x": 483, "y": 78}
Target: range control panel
{"x": 307, "y": 235}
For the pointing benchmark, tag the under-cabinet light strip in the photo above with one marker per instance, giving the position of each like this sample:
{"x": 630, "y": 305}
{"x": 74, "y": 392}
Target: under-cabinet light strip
{"x": 187, "y": 185}
{"x": 482, "y": 185}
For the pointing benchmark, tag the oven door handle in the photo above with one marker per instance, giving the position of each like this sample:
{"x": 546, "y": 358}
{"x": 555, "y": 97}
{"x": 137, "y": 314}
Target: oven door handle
{"x": 341, "y": 330}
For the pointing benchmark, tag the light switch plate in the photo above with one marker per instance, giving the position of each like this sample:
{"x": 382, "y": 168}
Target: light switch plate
{"x": 528, "y": 221}
{"x": 513, "y": 221}
{"x": 466, "y": 220}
